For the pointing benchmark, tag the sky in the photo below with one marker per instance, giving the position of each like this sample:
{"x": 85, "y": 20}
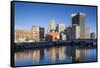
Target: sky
{"x": 39, "y": 14}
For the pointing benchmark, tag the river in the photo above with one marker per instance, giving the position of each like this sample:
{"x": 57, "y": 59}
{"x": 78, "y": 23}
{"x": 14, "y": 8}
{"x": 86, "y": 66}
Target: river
{"x": 55, "y": 55}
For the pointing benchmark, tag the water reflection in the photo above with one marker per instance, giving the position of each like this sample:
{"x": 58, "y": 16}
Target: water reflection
{"x": 52, "y": 55}
{"x": 61, "y": 53}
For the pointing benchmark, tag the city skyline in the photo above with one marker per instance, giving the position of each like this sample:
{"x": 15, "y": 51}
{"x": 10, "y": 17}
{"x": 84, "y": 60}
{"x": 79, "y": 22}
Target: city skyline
{"x": 41, "y": 14}
{"x": 47, "y": 33}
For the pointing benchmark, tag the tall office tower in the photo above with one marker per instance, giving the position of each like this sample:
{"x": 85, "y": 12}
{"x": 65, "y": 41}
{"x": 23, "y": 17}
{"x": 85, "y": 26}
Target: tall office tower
{"x": 75, "y": 31}
{"x": 60, "y": 28}
{"x": 93, "y": 35}
{"x": 87, "y": 33}
{"x": 52, "y": 25}
{"x": 79, "y": 19}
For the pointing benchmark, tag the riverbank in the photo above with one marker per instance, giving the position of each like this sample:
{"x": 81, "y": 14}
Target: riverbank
{"x": 74, "y": 43}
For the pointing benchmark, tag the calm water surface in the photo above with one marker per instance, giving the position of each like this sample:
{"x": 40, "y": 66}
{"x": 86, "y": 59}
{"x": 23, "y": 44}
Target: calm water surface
{"x": 53, "y": 55}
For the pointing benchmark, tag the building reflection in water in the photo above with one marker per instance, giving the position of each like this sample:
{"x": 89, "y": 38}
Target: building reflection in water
{"x": 52, "y": 55}
{"x": 62, "y": 53}
{"x": 42, "y": 53}
{"x": 23, "y": 55}
{"x": 36, "y": 56}
{"x": 81, "y": 54}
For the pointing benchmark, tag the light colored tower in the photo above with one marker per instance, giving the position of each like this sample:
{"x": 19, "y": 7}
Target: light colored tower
{"x": 52, "y": 25}
{"x": 79, "y": 19}
{"x": 60, "y": 28}
{"x": 75, "y": 31}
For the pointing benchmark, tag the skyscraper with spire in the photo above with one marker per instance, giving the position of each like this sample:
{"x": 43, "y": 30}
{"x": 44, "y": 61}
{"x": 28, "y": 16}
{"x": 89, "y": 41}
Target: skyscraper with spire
{"x": 52, "y": 25}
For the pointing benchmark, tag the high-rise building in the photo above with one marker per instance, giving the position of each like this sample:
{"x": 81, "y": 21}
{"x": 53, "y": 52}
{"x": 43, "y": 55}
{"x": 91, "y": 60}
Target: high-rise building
{"x": 68, "y": 32}
{"x": 60, "y": 28}
{"x": 87, "y": 33}
{"x": 93, "y": 35}
{"x": 52, "y": 25}
{"x": 79, "y": 19}
{"x": 75, "y": 31}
